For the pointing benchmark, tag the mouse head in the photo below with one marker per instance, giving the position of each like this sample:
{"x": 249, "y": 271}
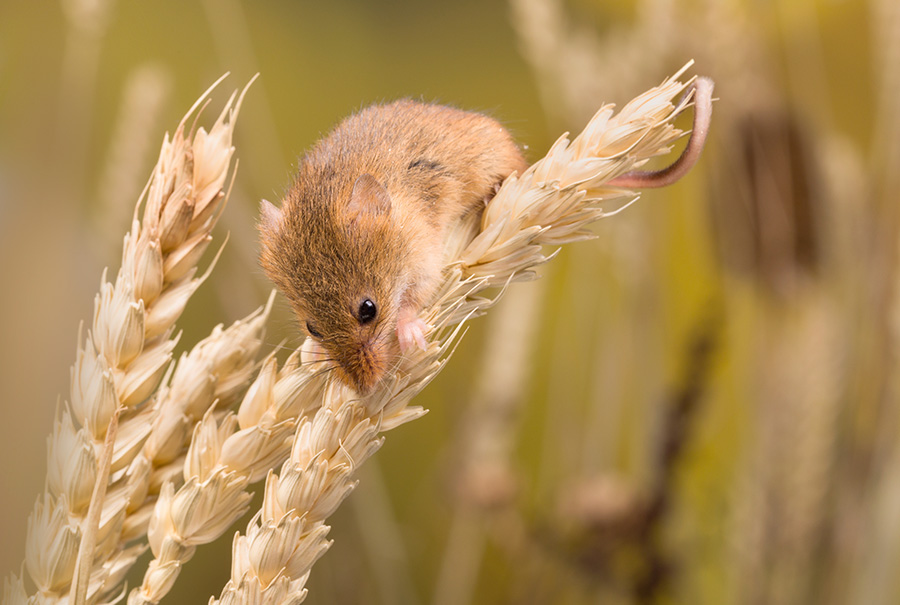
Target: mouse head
{"x": 336, "y": 258}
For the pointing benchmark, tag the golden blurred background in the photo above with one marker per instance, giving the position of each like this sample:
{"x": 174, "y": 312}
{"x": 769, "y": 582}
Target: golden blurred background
{"x": 698, "y": 406}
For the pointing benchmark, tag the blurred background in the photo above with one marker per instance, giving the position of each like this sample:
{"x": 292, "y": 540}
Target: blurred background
{"x": 698, "y": 406}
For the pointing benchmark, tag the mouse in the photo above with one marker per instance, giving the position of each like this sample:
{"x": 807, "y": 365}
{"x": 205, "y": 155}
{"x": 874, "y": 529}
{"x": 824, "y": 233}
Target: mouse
{"x": 357, "y": 245}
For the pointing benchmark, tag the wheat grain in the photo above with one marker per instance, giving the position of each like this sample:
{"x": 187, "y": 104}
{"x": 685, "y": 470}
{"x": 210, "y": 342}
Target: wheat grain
{"x": 227, "y": 452}
{"x": 212, "y": 374}
{"x": 551, "y": 203}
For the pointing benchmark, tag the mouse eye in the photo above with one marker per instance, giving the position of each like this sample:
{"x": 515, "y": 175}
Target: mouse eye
{"x": 367, "y": 311}
{"x": 312, "y": 331}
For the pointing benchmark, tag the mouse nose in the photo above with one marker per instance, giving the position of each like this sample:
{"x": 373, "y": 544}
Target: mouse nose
{"x": 362, "y": 382}
{"x": 362, "y": 368}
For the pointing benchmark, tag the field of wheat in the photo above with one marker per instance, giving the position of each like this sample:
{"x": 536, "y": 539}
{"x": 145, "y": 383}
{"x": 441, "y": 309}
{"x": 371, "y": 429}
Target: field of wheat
{"x": 694, "y": 403}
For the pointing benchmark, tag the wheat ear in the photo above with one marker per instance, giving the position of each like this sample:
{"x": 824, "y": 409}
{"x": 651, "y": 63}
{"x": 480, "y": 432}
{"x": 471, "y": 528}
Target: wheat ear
{"x": 551, "y": 203}
{"x": 227, "y": 452}
{"x": 119, "y": 364}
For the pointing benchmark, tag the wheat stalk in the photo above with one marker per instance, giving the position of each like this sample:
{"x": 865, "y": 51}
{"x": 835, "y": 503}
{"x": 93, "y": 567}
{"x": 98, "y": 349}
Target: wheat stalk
{"x": 86, "y": 517}
{"x": 550, "y": 204}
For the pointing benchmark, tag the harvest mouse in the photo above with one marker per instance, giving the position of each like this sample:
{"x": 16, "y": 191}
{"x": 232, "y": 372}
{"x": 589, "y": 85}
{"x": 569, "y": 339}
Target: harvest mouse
{"x": 356, "y": 246}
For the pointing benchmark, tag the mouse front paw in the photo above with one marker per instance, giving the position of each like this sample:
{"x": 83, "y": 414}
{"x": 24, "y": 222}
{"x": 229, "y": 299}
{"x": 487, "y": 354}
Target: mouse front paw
{"x": 411, "y": 332}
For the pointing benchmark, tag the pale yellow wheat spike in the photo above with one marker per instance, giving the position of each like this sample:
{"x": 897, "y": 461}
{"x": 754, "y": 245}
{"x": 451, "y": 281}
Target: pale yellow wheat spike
{"x": 227, "y": 452}
{"x": 119, "y": 364}
{"x": 211, "y": 375}
{"x": 551, "y": 203}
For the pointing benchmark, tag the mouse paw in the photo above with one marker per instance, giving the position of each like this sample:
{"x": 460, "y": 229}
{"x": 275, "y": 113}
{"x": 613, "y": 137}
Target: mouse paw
{"x": 411, "y": 332}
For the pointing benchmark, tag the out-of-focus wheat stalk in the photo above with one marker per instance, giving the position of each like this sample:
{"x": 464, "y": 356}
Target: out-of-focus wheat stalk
{"x": 484, "y": 478}
{"x": 87, "y": 22}
{"x": 550, "y": 204}
{"x": 868, "y": 525}
{"x": 781, "y": 508}
{"x": 119, "y": 365}
{"x": 133, "y": 138}
{"x": 561, "y": 51}
{"x": 886, "y": 19}
{"x": 484, "y": 473}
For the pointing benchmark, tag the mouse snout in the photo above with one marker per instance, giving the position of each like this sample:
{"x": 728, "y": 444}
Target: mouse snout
{"x": 363, "y": 366}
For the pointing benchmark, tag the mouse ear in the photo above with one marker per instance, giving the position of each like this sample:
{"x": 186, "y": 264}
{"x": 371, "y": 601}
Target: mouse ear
{"x": 269, "y": 217}
{"x": 369, "y": 197}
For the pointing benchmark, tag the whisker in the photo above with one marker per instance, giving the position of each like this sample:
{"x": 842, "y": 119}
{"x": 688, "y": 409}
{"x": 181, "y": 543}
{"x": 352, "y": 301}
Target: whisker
{"x": 311, "y": 362}
{"x": 322, "y": 371}
{"x": 319, "y": 353}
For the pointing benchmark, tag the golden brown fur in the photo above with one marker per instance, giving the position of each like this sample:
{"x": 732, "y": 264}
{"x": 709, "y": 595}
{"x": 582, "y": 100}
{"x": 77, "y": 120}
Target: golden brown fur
{"x": 342, "y": 237}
